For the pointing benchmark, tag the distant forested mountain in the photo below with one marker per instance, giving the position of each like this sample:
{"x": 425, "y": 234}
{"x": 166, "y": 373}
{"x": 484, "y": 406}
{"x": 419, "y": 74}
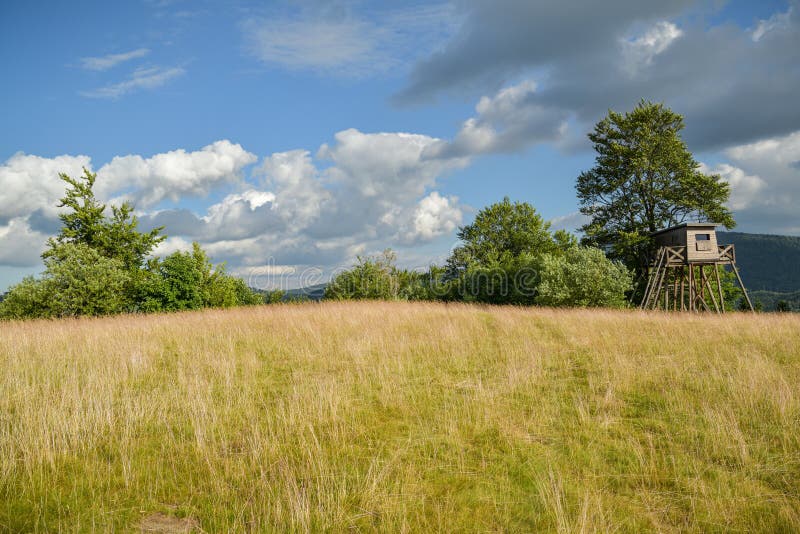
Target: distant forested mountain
{"x": 767, "y": 262}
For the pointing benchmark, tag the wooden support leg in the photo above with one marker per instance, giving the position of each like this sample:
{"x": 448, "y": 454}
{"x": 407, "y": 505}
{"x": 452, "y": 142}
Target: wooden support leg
{"x": 741, "y": 284}
{"x": 683, "y": 289}
{"x": 711, "y": 293}
{"x": 719, "y": 287}
{"x": 675, "y": 291}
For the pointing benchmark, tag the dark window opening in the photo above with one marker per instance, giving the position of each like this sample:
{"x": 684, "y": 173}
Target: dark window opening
{"x": 703, "y": 237}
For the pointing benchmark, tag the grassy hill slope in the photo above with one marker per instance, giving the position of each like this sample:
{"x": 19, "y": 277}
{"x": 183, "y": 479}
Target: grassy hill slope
{"x": 397, "y": 416}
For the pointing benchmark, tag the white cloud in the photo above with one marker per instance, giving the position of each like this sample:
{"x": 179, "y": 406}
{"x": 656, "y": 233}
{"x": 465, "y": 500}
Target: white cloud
{"x": 142, "y": 78}
{"x": 108, "y": 61}
{"x": 171, "y": 245}
{"x": 389, "y": 167}
{"x": 29, "y": 183}
{"x": 640, "y": 51}
{"x": 777, "y": 22}
{"x": 765, "y": 183}
{"x": 295, "y": 181}
{"x": 371, "y": 191}
{"x": 241, "y": 215}
{"x": 508, "y": 121}
{"x": 175, "y": 174}
{"x": 745, "y": 188}
{"x": 434, "y": 216}
{"x": 570, "y": 222}
{"x": 20, "y": 245}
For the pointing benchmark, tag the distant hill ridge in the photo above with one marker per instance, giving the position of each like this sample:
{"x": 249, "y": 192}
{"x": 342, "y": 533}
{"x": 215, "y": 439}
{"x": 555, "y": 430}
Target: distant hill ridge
{"x": 767, "y": 262}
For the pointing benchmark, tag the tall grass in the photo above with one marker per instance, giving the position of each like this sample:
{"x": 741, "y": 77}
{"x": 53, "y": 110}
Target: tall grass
{"x": 402, "y": 417}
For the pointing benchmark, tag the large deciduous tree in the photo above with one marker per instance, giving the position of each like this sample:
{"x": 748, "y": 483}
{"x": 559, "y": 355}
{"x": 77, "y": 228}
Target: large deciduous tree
{"x": 645, "y": 179}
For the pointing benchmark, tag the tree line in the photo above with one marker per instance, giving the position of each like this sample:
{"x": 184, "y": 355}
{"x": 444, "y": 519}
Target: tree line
{"x": 508, "y": 255}
{"x": 644, "y": 179}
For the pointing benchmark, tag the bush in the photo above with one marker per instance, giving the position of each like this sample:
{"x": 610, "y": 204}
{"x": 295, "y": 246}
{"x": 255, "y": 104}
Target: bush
{"x": 583, "y": 276}
{"x": 371, "y": 278}
{"x": 509, "y": 280}
{"x": 77, "y": 281}
{"x": 188, "y": 281}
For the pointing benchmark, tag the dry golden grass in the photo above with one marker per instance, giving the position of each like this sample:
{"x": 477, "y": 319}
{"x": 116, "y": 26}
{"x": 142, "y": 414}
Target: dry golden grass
{"x": 401, "y": 417}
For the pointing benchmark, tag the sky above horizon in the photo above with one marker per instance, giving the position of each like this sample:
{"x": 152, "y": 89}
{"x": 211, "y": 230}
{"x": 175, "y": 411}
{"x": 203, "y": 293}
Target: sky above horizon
{"x": 290, "y": 137}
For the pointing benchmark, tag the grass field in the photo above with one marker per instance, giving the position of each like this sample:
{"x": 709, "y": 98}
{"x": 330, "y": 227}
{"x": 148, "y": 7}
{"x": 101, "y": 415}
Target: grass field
{"x": 401, "y": 417}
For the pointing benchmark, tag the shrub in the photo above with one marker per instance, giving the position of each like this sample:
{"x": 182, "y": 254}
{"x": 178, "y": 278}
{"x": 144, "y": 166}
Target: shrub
{"x": 583, "y": 276}
{"x": 77, "y": 280}
{"x": 371, "y": 278}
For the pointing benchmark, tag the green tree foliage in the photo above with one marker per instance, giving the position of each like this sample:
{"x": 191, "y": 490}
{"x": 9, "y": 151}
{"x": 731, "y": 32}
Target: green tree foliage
{"x": 497, "y": 262}
{"x": 770, "y": 299}
{"x": 100, "y": 265}
{"x": 644, "y": 179}
{"x": 782, "y": 306}
{"x": 371, "y": 278}
{"x": 85, "y": 222}
{"x": 501, "y": 232}
{"x": 509, "y": 247}
{"x": 378, "y": 278}
{"x": 582, "y": 276}
{"x": 271, "y": 297}
{"x": 506, "y": 280}
{"x": 189, "y": 281}
{"x": 77, "y": 281}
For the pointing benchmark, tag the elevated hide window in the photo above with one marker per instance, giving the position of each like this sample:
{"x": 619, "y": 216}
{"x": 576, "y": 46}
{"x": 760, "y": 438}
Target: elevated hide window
{"x": 703, "y": 242}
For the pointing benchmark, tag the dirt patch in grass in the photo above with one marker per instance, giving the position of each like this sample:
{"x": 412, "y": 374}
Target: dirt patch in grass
{"x": 159, "y": 522}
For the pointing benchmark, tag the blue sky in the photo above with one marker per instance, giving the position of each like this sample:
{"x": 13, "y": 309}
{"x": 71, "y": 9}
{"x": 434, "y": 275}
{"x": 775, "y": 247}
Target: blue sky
{"x": 289, "y": 137}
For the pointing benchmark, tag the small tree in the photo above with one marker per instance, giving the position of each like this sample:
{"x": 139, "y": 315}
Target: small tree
{"x": 500, "y": 232}
{"x": 77, "y": 281}
{"x": 583, "y": 276}
{"x": 85, "y": 223}
{"x": 371, "y": 278}
{"x": 782, "y": 306}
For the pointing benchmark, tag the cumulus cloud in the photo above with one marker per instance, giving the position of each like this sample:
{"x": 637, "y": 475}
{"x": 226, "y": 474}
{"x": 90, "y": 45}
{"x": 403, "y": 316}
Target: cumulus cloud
{"x": 368, "y": 190}
{"x": 31, "y": 183}
{"x": 390, "y": 167}
{"x": 20, "y": 245}
{"x": 142, "y": 78}
{"x": 640, "y": 51}
{"x": 175, "y": 174}
{"x": 297, "y": 186}
{"x": 765, "y": 183}
{"x": 108, "y": 61}
{"x": 745, "y": 188}
{"x": 31, "y": 189}
{"x": 365, "y": 191}
{"x": 434, "y": 216}
{"x": 506, "y": 122}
